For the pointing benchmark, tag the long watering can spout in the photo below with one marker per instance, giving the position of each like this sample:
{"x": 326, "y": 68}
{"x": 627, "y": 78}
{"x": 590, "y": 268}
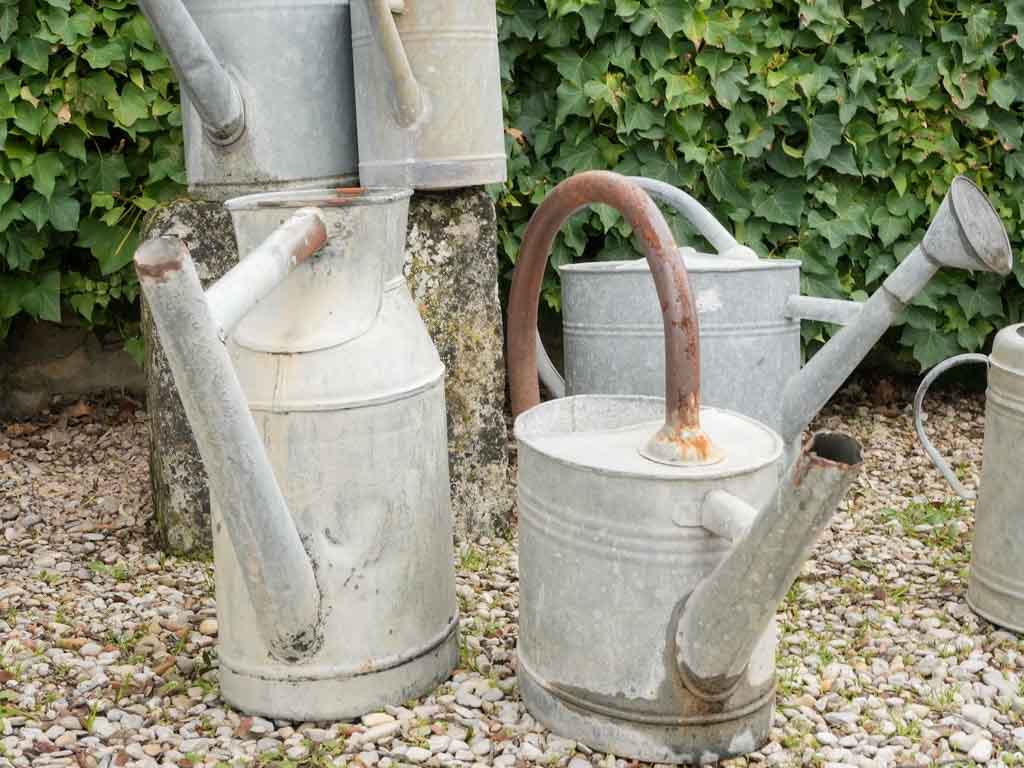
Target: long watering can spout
{"x": 277, "y": 571}
{"x": 966, "y": 233}
{"x": 207, "y": 83}
{"x": 725, "y": 616}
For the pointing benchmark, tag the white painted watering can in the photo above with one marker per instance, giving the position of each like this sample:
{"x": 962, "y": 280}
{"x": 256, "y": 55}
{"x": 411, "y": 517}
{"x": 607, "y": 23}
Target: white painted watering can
{"x": 750, "y": 311}
{"x": 428, "y": 93}
{"x": 321, "y": 423}
{"x": 995, "y": 588}
{"x": 267, "y": 92}
{"x": 657, "y": 537}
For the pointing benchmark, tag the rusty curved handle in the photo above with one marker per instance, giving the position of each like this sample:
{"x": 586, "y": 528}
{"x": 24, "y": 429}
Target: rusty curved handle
{"x": 681, "y": 439}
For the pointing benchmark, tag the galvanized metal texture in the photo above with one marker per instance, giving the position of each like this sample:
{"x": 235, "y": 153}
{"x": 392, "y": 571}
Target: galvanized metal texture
{"x": 622, "y": 642}
{"x": 264, "y": 84}
{"x": 351, "y": 407}
{"x": 248, "y": 282}
{"x": 995, "y": 588}
{"x": 279, "y": 576}
{"x": 428, "y": 94}
{"x": 929, "y": 447}
{"x": 206, "y": 83}
{"x": 681, "y": 438}
{"x": 966, "y": 233}
{"x": 349, "y": 419}
{"x": 727, "y": 612}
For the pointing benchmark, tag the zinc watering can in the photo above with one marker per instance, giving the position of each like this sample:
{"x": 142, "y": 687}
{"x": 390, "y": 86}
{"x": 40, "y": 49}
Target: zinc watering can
{"x": 267, "y": 94}
{"x": 317, "y": 402}
{"x": 656, "y": 537}
{"x": 428, "y": 93}
{"x": 995, "y": 589}
{"x": 750, "y": 311}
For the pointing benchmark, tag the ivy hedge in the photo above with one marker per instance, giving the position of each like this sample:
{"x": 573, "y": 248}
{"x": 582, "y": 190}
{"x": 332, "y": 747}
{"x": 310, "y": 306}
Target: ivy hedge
{"x": 822, "y": 130}
{"x": 90, "y": 140}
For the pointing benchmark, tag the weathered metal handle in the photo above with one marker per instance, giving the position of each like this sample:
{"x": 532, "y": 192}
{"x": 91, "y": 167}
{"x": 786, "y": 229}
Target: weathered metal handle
{"x": 680, "y": 440}
{"x": 702, "y": 220}
{"x": 929, "y": 447}
{"x": 209, "y": 86}
{"x": 411, "y": 101}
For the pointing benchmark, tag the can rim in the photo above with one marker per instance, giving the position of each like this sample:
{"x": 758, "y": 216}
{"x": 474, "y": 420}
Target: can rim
{"x": 333, "y": 197}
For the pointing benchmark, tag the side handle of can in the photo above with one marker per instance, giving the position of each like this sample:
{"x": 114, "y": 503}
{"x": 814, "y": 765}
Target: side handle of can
{"x": 927, "y": 444}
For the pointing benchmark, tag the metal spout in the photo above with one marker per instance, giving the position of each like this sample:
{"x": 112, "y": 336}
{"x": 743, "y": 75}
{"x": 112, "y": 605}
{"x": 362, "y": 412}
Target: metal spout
{"x": 966, "y": 233}
{"x": 276, "y": 568}
{"x": 208, "y": 85}
{"x": 725, "y": 616}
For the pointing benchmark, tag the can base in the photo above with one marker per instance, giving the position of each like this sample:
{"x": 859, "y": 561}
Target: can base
{"x": 340, "y": 698}
{"x": 995, "y": 600}
{"x": 435, "y": 174}
{"x": 689, "y": 743}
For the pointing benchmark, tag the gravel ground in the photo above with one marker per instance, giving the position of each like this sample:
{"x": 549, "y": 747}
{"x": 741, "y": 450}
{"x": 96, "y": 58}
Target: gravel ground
{"x": 108, "y": 647}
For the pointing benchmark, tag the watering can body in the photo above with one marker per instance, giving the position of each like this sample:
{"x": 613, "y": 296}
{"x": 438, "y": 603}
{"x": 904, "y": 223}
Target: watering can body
{"x": 292, "y": 72}
{"x": 996, "y": 584}
{"x": 345, "y": 392}
{"x": 613, "y": 340}
{"x": 750, "y": 311}
{"x": 428, "y": 93}
{"x": 656, "y": 537}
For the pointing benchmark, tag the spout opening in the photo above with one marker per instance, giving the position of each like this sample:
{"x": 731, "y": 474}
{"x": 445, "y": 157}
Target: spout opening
{"x": 834, "y": 448}
{"x": 981, "y": 226}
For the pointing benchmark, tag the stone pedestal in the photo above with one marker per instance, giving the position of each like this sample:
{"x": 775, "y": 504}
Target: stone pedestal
{"x": 181, "y": 500}
{"x": 451, "y": 265}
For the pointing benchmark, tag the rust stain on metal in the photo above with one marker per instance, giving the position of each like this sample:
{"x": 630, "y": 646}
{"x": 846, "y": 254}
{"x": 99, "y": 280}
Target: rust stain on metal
{"x": 682, "y": 348}
{"x": 158, "y": 272}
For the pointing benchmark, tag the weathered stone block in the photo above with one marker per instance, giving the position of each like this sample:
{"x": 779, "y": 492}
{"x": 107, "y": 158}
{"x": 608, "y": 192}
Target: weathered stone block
{"x": 181, "y": 499}
{"x": 451, "y": 263}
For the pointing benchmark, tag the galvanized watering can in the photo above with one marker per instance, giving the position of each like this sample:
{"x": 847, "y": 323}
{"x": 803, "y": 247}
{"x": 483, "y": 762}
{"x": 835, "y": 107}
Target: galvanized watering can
{"x": 996, "y": 586}
{"x": 750, "y": 311}
{"x": 428, "y": 93}
{"x": 656, "y": 537}
{"x": 321, "y": 424}
{"x": 266, "y": 92}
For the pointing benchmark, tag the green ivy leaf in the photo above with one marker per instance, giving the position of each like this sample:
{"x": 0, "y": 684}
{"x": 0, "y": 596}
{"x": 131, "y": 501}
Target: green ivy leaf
{"x": 33, "y": 52}
{"x": 42, "y": 300}
{"x": 63, "y": 213}
{"x": 782, "y": 203}
{"x": 8, "y": 22}
{"x": 44, "y": 172}
{"x": 825, "y": 132}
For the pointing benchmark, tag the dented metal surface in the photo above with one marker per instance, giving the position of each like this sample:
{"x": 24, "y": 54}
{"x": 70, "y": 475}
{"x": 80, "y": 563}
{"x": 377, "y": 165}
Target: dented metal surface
{"x": 267, "y": 92}
{"x": 995, "y": 587}
{"x": 750, "y": 312}
{"x": 343, "y": 407}
{"x": 428, "y": 93}
{"x": 648, "y": 589}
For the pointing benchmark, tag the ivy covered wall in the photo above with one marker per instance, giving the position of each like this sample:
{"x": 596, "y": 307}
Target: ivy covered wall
{"x": 825, "y": 131}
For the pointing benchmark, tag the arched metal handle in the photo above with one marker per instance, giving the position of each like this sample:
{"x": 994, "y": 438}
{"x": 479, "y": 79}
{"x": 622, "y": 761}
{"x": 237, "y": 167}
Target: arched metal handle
{"x": 929, "y": 448}
{"x": 680, "y": 440}
{"x": 410, "y": 100}
{"x": 702, "y": 220}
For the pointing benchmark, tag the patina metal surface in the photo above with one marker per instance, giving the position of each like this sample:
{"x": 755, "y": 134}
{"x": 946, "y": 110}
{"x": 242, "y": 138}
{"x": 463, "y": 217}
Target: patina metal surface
{"x": 995, "y": 588}
{"x": 267, "y": 92}
{"x": 750, "y": 312}
{"x": 344, "y": 420}
{"x": 648, "y": 588}
{"x": 428, "y": 93}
